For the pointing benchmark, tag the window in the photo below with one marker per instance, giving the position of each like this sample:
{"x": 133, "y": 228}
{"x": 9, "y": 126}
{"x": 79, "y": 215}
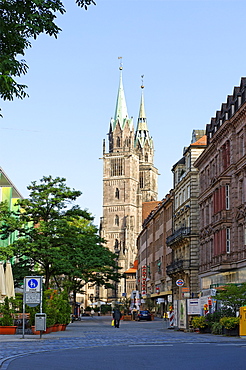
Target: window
{"x": 117, "y": 193}
{"x": 141, "y": 180}
{"x": 227, "y": 197}
{"x": 117, "y": 167}
{"x": 146, "y": 158}
{"x": 228, "y": 240}
{"x": 118, "y": 142}
{"x": 188, "y": 191}
{"x": 116, "y": 220}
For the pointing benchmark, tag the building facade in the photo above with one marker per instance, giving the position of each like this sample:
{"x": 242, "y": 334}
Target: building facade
{"x": 129, "y": 179}
{"x": 222, "y": 198}
{"x": 154, "y": 254}
{"x": 184, "y": 240}
{"x": 8, "y": 194}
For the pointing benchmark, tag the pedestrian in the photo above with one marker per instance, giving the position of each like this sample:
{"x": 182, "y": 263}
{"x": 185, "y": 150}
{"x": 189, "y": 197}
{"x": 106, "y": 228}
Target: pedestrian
{"x": 117, "y": 316}
{"x": 92, "y": 313}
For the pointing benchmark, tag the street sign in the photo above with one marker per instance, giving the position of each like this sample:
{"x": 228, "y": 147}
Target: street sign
{"x": 32, "y": 296}
{"x": 33, "y": 284}
{"x": 32, "y": 290}
{"x": 179, "y": 282}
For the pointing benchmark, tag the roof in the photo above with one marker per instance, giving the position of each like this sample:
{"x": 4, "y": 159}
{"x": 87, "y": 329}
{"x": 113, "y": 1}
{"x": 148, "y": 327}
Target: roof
{"x": 201, "y": 141}
{"x": 132, "y": 270}
{"x": 5, "y": 181}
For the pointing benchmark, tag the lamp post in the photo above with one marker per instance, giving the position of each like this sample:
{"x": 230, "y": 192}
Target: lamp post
{"x": 117, "y": 253}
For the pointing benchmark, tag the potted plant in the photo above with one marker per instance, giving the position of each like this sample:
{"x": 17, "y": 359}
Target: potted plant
{"x": 6, "y": 320}
{"x": 200, "y": 323}
{"x": 231, "y": 325}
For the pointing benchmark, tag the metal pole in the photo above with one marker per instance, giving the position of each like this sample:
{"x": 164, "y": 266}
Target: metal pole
{"x": 23, "y": 313}
{"x": 41, "y": 302}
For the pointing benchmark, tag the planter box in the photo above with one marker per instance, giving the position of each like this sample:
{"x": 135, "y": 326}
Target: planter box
{"x": 205, "y": 330}
{"x": 232, "y": 332}
{"x": 8, "y": 330}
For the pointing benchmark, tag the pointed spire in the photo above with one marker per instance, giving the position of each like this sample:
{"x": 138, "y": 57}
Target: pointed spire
{"x": 142, "y": 132}
{"x": 142, "y": 121}
{"x": 121, "y": 109}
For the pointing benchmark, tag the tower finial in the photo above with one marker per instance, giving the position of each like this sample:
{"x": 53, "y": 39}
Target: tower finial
{"x": 120, "y": 67}
{"x": 142, "y": 86}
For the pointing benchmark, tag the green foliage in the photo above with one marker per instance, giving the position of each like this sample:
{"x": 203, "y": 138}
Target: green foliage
{"x": 105, "y": 308}
{"x": 6, "y": 313}
{"x": 126, "y": 303}
{"x": 150, "y": 304}
{"x": 56, "y": 240}
{"x": 229, "y": 322}
{"x": 233, "y": 296}
{"x": 216, "y": 328}
{"x": 199, "y": 322}
{"x": 21, "y": 21}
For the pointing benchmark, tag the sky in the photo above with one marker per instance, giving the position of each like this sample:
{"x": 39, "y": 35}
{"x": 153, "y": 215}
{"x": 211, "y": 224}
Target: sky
{"x": 191, "y": 53}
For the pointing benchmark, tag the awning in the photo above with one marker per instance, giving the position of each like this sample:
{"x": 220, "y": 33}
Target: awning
{"x": 161, "y": 294}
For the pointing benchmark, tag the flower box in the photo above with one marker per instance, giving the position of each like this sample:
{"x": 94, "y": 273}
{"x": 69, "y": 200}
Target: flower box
{"x": 8, "y": 330}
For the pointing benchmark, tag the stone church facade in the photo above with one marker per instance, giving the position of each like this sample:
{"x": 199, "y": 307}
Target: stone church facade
{"x": 129, "y": 179}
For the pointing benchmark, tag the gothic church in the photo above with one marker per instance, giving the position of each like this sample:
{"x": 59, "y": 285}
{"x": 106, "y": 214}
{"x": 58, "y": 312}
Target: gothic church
{"x": 129, "y": 179}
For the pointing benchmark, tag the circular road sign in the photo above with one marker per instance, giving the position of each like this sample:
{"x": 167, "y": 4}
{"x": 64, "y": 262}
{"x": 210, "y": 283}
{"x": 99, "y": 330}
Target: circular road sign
{"x": 32, "y": 283}
{"x": 180, "y": 282}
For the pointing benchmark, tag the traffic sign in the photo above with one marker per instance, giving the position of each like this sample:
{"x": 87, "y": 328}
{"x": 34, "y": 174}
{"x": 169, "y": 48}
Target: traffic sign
{"x": 32, "y": 290}
{"x": 33, "y": 284}
{"x": 179, "y": 282}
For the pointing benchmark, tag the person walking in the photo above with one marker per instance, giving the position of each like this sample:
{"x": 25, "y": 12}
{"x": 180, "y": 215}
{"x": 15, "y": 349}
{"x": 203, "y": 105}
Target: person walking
{"x": 117, "y": 316}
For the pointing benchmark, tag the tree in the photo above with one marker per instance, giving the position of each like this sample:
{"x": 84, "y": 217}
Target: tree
{"x": 57, "y": 239}
{"x": 233, "y": 296}
{"x": 21, "y": 21}
{"x": 87, "y": 260}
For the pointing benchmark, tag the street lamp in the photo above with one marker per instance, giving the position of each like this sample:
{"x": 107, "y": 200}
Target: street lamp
{"x": 117, "y": 253}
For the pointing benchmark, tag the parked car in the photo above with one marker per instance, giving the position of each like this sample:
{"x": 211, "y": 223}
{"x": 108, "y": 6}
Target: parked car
{"x": 144, "y": 315}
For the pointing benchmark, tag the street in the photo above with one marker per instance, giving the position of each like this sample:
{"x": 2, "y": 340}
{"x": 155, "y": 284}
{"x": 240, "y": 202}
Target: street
{"x": 93, "y": 344}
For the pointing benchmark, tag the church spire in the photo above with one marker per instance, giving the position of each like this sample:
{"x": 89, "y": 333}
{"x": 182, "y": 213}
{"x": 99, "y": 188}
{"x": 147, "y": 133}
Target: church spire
{"x": 142, "y": 121}
{"x": 142, "y": 132}
{"x": 121, "y": 114}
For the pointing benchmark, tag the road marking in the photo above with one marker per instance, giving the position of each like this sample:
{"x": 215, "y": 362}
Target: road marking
{"x": 150, "y": 345}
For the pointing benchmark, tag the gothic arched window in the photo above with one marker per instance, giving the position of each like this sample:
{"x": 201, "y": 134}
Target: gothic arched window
{"x": 118, "y": 142}
{"x": 117, "y": 193}
{"x": 146, "y": 158}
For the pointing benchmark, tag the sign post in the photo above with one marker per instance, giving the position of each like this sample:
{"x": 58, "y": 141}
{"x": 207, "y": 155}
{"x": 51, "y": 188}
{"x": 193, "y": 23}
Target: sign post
{"x": 32, "y": 295}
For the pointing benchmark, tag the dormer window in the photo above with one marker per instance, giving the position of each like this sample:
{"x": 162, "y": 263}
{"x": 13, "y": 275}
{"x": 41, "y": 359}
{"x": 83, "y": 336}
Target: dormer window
{"x": 239, "y": 101}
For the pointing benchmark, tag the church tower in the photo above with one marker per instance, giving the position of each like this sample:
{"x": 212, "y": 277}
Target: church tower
{"x": 129, "y": 178}
{"x": 144, "y": 147}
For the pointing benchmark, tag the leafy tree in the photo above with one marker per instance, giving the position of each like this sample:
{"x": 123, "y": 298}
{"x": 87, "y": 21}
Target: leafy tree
{"x": 89, "y": 260}
{"x": 57, "y": 239}
{"x": 233, "y": 296}
{"x": 21, "y": 21}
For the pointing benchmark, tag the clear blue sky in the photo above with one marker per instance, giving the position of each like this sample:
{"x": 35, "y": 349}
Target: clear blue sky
{"x": 192, "y": 54}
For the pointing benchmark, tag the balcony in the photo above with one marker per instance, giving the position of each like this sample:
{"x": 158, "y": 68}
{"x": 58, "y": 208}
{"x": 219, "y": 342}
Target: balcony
{"x": 178, "y": 266}
{"x": 178, "y": 234}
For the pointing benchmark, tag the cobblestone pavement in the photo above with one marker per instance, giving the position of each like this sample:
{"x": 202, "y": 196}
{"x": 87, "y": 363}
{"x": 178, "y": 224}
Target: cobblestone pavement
{"x": 97, "y": 331}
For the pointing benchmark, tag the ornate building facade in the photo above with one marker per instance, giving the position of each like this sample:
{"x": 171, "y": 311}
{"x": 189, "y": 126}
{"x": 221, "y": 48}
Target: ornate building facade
{"x": 184, "y": 240}
{"x": 129, "y": 179}
{"x": 222, "y": 200}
